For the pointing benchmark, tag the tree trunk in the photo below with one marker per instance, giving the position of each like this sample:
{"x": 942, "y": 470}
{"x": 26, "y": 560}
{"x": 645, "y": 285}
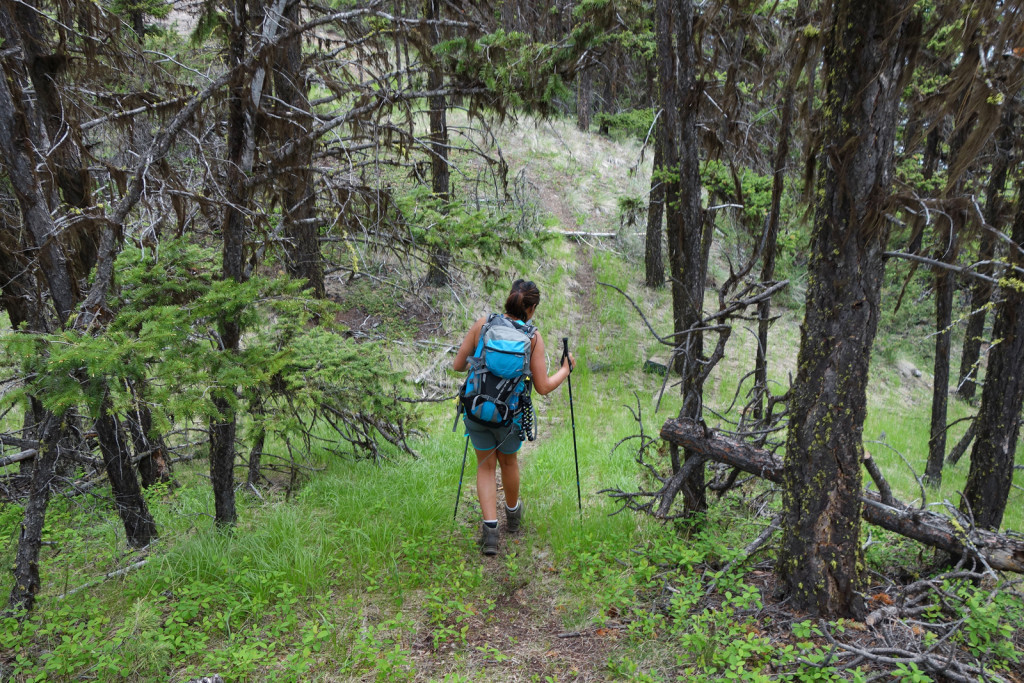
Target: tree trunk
{"x": 139, "y": 526}
{"x": 611, "y": 76}
{"x": 584, "y": 97}
{"x": 150, "y": 451}
{"x": 654, "y": 267}
{"x": 298, "y": 199}
{"x": 1002, "y": 396}
{"x": 26, "y": 563}
{"x": 440, "y": 257}
{"x": 821, "y": 556}
{"x": 241, "y": 142}
{"x": 947, "y": 252}
{"x": 23, "y": 142}
{"x": 771, "y": 238}
{"x": 944, "y": 287}
{"x": 222, "y": 463}
{"x": 981, "y": 290}
{"x": 680, "y": 99}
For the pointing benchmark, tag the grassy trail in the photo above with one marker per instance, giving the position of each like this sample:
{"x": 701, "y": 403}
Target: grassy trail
{"x": 363, "y": 574}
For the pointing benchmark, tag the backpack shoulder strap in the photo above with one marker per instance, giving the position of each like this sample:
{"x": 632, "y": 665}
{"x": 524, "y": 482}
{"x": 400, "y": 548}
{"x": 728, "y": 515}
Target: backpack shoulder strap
{"x": 497, "y": 318}
{"x": 528, "y": 329}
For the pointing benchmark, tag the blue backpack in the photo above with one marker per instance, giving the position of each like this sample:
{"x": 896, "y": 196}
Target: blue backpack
{"x": 499, "y": 372}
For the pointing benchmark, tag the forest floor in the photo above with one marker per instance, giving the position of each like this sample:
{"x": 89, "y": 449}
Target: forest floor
{"x": 361, "y": 574}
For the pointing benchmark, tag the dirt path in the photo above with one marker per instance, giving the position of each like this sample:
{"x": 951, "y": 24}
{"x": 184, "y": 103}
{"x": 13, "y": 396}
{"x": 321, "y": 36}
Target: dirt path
{"x": 524, "y": 635}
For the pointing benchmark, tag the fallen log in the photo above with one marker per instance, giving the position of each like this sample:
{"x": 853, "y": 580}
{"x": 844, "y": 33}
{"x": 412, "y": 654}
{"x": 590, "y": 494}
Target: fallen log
{"x": 998, "y": 551}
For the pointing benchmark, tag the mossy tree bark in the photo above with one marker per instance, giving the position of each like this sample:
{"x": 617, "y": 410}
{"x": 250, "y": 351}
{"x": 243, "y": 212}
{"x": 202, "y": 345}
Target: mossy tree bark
{"x": 1002, "y": 397}
{"x": 680, "y": 100}
{"x": 821, "y": 558}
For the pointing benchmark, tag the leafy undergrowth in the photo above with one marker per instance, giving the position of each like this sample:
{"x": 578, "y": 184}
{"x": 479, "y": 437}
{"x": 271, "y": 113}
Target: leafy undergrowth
{"x": 373, "y": 598}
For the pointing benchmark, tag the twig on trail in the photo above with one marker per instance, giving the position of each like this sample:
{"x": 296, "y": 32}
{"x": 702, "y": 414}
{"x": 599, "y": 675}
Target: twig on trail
{"x": 589, "y": 632}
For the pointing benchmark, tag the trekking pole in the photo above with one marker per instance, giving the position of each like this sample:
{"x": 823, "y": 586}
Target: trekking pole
{"x": 463, "y": 471}
{"x": 572, "y": 417}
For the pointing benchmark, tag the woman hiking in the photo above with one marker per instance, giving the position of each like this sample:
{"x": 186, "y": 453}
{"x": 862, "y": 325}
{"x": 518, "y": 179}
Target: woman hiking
{"x": 499, "y": 445}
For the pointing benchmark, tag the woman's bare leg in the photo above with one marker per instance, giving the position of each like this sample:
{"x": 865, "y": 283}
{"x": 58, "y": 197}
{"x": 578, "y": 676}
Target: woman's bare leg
{"x": 509, "y": 463}
{"x": 486, "y": 483}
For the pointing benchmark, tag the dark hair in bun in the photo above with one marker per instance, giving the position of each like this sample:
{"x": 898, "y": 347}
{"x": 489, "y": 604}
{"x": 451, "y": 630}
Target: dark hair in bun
{"x": 523, "y": 296}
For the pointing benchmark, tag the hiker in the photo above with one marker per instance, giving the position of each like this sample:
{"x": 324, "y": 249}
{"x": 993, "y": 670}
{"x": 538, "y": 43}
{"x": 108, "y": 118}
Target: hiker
{"x": 501, "y": 443}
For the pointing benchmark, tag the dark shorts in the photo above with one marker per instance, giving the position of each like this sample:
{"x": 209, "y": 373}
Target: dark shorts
{"x": 505, "y": 439}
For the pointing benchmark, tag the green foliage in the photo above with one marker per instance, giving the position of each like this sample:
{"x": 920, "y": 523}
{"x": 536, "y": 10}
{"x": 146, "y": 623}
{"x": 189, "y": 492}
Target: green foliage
{"x": 164, "y": 334}
{"x": 210, "y": 21}
{"x": 153, "y": 8}
{"x": 635, "y": 123}
{"x": 718, "y": 179}
{"x": 523, "y": 74}
{"x": 457, "y": 228}
{"x": 990, "y": 621}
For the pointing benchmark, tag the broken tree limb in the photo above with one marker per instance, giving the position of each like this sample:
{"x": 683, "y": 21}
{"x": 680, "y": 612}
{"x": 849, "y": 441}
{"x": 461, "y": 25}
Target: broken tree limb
{"x": 961, "y": 446}
{"x": 1000, "y": 552}
{"x": 105, "y": 577}
{"x": 583, "y": 233}
{"x": 18, "y": 457}
{"x": 876, "y": 475}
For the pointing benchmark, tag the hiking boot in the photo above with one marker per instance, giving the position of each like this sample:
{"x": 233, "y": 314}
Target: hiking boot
{"x": 514, "y": 518}
{"x": 488, "y": 540}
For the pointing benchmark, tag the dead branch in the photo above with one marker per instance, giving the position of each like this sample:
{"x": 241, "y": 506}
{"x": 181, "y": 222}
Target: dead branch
{"x": 876, "y": 475}
{"x": 1001, "y": 552}
{"x": 105, "y": 577}
{"x": 748, "y": 551}
{"x": 961, "y": 446}
{"x": 923, "y": 624}
{"x": 18, "y": 457}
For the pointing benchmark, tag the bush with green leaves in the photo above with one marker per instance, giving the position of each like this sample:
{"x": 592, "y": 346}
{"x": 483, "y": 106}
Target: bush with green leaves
{"x": 164, "y": 335}
{"x": 437, "y": 224}
{"x": 635, "y": 123}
